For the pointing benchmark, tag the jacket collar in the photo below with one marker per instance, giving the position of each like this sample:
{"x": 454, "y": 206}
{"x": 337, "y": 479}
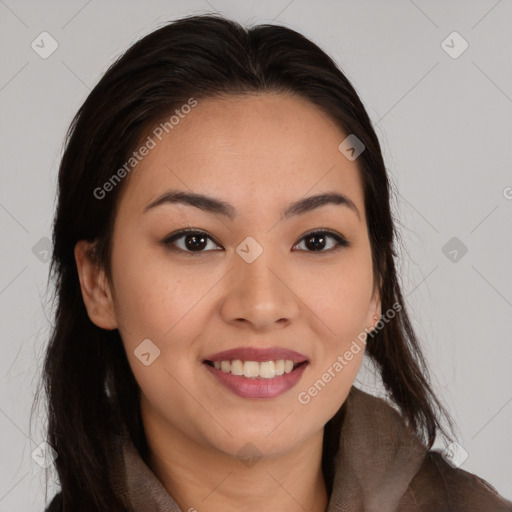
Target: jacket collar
{"x": 377, "y": 459}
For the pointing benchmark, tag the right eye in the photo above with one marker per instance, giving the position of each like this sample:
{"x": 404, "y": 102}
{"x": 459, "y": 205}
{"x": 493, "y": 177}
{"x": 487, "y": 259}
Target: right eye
{"x": 194, "y": 241}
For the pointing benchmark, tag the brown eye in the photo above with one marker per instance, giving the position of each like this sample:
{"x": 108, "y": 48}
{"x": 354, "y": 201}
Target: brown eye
{"x": 194, "y": 241}
{"x": 317, "y": 241}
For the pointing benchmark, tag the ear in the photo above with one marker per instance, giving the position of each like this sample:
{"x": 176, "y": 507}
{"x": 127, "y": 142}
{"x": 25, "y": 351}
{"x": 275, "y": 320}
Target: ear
{"x": 95, "y": 287}
{"x": 374, "y": 310}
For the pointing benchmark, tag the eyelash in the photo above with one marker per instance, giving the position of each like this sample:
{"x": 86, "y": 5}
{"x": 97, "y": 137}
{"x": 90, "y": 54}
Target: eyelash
{"x": 168, "y": 241}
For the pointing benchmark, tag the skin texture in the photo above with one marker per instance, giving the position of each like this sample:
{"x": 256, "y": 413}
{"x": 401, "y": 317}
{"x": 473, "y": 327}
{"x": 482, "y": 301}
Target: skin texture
{"x": 258, "y": 153}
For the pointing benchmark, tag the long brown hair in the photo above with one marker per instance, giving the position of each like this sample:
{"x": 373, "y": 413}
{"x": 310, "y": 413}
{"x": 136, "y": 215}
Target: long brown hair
{"x": 88, "y": 383}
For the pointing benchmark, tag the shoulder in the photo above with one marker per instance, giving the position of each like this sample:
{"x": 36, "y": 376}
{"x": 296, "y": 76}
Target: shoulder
{"x": 376, "y": 433}
{"x": 56, "y": 504}
{"x": 439, "y": 487}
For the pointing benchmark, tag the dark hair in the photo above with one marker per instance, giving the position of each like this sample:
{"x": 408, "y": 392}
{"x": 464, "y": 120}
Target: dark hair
{"x": 88, "y": 382}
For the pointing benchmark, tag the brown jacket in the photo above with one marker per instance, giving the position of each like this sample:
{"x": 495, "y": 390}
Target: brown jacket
{"x": 380, "y": 467}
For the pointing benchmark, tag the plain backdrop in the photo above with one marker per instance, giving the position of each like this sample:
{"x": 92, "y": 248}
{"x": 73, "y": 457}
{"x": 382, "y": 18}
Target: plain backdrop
{"x": 441, "y": 104}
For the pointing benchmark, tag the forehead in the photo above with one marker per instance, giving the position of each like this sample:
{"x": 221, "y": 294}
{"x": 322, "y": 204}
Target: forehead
{"x": 255, "y": 151}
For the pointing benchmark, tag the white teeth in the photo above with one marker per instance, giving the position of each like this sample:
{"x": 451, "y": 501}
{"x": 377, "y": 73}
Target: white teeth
{"x": 237, "y": 367}
{"x": 267, "y": 370}
{"x": 253, "y": 369}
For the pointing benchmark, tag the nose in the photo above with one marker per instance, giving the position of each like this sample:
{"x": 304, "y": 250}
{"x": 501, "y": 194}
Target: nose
{"x": 260, "y": 294}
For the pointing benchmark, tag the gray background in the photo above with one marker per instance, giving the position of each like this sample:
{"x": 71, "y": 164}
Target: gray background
{"x": 445, "y": 127}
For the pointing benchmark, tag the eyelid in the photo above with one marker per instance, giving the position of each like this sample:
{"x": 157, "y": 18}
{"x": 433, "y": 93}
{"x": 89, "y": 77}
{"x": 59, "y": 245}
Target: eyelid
{"x": 168, "y": 240}
{"x": 327, "y": 231}
{"x": 342, "y": 242}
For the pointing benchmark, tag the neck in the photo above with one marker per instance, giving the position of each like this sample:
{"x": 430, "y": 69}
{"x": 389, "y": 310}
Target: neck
{"x": 203, "y": 479}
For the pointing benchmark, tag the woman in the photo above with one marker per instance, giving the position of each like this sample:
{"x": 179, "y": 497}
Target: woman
{"x": 223, "y": 253}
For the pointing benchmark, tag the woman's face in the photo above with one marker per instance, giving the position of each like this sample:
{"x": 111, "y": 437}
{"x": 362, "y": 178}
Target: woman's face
{"x": 249, "y": 279}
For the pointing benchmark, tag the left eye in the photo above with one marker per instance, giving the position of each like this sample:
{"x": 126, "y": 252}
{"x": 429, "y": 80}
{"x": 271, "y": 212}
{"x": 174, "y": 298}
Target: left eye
{"x": 321, "y": 237}
{"x": 196, "y": 241}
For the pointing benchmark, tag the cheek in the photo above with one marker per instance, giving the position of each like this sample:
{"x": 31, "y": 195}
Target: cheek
{"x": 341, "y": 296}
{"x": 152, "y": 296}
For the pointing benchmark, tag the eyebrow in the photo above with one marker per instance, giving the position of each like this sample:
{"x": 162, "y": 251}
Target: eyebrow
{"x": 216, "y": 206}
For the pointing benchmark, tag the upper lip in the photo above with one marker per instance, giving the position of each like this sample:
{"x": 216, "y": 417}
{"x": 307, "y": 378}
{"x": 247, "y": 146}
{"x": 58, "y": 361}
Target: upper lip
{"x": 257, "y": 354}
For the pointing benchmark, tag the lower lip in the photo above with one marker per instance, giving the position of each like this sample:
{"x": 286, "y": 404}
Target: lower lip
{"x": 258, "y": 387}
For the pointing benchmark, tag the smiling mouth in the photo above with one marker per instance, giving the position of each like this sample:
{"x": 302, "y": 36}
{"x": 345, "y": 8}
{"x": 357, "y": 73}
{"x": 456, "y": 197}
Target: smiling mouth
{"x": 256, "y": 369}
